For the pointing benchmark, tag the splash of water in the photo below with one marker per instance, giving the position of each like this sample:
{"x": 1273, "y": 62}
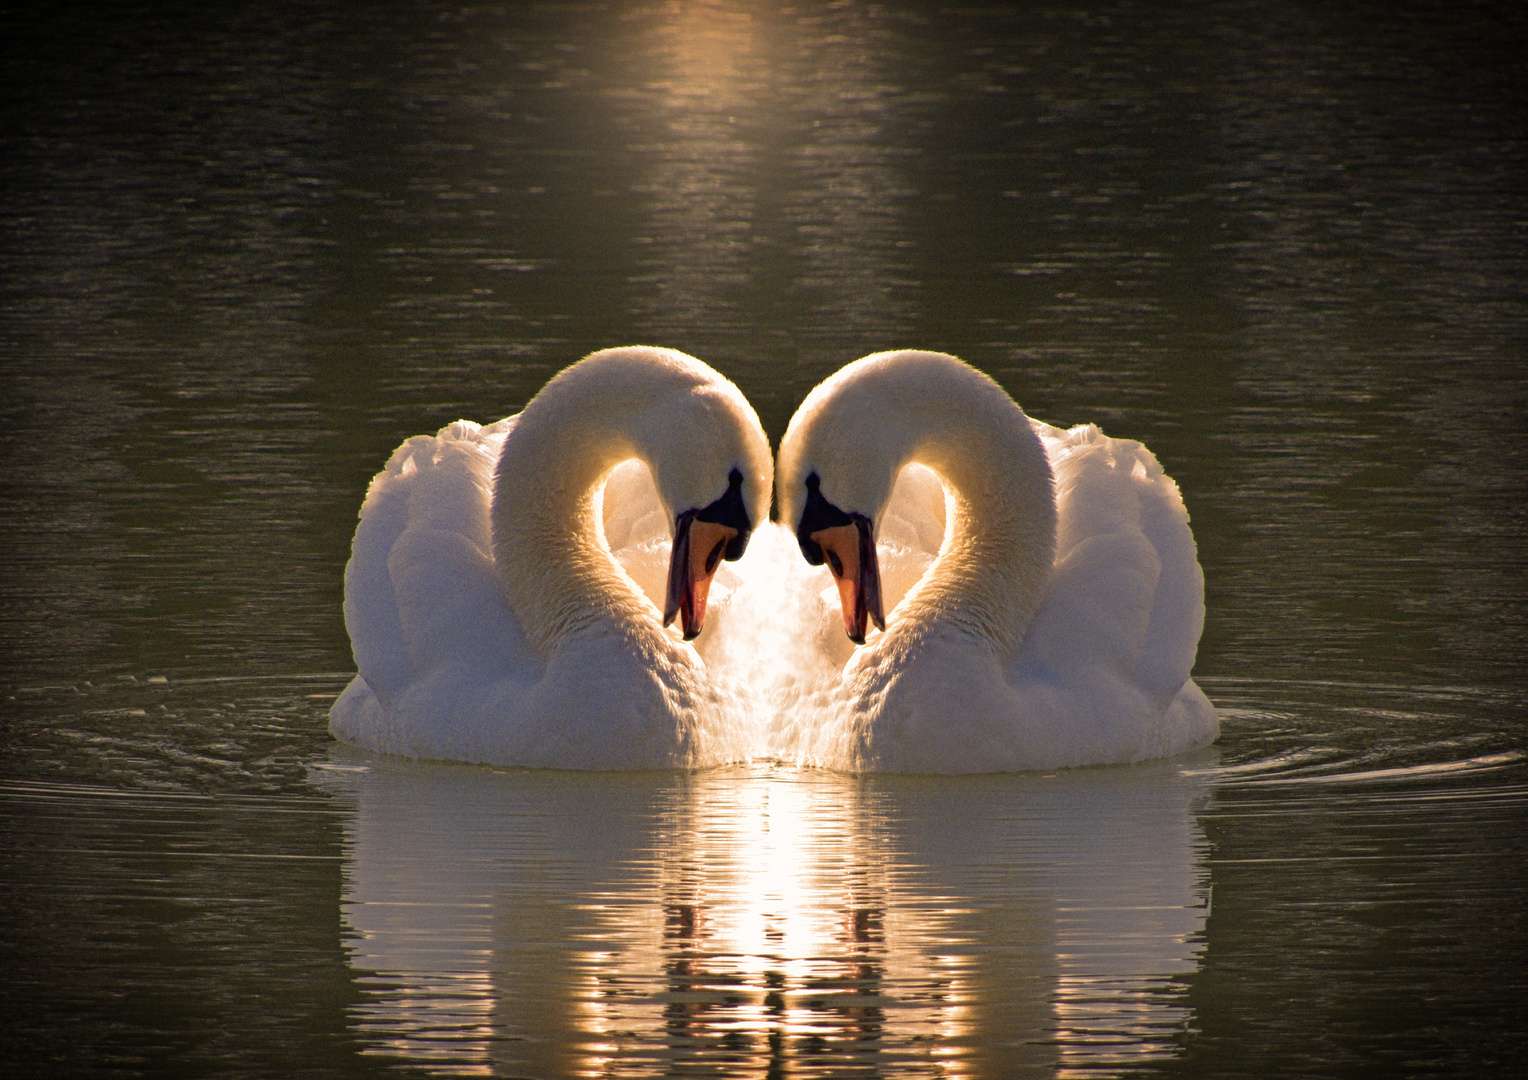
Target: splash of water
{"x": 774, "y": 639}
{"x": 777, "y": 631}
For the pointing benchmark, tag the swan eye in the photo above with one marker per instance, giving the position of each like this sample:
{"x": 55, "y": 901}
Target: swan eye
{"x": 715, "y": 556}
{"x": 816, "y": 515}
{"x": 730, "y": 511}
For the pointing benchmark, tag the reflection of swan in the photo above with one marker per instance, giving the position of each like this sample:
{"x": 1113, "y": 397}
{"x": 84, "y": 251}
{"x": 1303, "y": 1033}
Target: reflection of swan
{"x": 1059, "y": 621}
{"x": 751, "y": 919}
{"x": 489, "y": 619}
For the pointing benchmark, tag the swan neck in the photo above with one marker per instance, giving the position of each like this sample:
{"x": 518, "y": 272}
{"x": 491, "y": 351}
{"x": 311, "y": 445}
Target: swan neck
{"x": 553, "y": 560}
{"x": 1000, "y": 536}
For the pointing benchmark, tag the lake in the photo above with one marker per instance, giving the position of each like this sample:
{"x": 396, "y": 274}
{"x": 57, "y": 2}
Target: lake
{"x": 247, "y": 252}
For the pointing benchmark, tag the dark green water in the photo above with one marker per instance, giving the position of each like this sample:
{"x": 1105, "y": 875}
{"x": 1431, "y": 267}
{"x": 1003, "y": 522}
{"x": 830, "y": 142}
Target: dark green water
{"x": 246, "y": 253}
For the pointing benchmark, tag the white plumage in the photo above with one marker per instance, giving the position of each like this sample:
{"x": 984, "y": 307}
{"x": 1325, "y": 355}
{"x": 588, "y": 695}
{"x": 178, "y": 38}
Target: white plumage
{"x": 1060, "y": 613}
{"x": 489, "y": 618}
{"x": 1043, "y": 593}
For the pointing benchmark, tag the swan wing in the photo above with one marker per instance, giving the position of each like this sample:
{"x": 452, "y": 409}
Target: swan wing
{"x": 420, "y": 588}
{"x": 1120, "y": 621}
{"x": 914, "y": 517}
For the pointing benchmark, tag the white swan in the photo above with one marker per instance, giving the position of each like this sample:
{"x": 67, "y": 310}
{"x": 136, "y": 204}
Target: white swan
{"x": 490, "y": 620}
{"x": 1058, "y": 622}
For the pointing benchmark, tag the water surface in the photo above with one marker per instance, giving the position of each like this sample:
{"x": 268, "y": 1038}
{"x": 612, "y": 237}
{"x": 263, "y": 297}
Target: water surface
{"x": 247, "y": 253}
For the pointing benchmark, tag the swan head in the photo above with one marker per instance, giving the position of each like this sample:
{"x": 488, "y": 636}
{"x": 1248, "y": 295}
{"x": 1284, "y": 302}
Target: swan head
{"x": 703, "y": 537}
{"x": 854, "y": 433}
{"x": 693, "y": 429}
{"x": 712, "y": 467}
{"x": 846, "y": 543}
{"x": 709, "y": 458}
{"x": 838, "y": 464}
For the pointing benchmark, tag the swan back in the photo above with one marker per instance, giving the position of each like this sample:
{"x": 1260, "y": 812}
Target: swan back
{"x": 420, "y": 586}
{"x": 1127, "y": 590}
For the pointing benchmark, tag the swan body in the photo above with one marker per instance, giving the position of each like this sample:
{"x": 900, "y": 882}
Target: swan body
{"x": 1058, "y": 618}
{"x": 490, "y": 619}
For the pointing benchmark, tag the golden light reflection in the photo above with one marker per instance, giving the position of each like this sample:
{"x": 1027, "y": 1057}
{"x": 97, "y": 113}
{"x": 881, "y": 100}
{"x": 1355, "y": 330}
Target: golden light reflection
{"x": 766, "y": 164}
{"x": 702, "y": 82}
{"x": 762, "y": 918}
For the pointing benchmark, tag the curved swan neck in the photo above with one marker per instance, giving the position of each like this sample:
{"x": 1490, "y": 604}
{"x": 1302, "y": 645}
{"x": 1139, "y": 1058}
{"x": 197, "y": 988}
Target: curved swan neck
{"x": 555, "y": 565}
{"x": 1000, "y": 534}
{"x": 859, "y": 428}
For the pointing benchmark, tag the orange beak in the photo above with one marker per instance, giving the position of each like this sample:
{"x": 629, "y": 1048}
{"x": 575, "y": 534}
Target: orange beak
{"x": 698, "y": 550}
{"x": 849, "y": 551}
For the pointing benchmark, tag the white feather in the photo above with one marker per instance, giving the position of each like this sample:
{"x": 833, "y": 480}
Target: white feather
{"x": 489, "y": 618}
{"x": 1058, "y": 621}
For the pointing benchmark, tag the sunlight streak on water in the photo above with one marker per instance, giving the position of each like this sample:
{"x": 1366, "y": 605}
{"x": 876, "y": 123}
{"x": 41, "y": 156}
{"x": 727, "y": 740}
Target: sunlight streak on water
{"x": 694, "y": 248}
{"x": 252, "y": 247}
{"x": 768, "y": 917}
